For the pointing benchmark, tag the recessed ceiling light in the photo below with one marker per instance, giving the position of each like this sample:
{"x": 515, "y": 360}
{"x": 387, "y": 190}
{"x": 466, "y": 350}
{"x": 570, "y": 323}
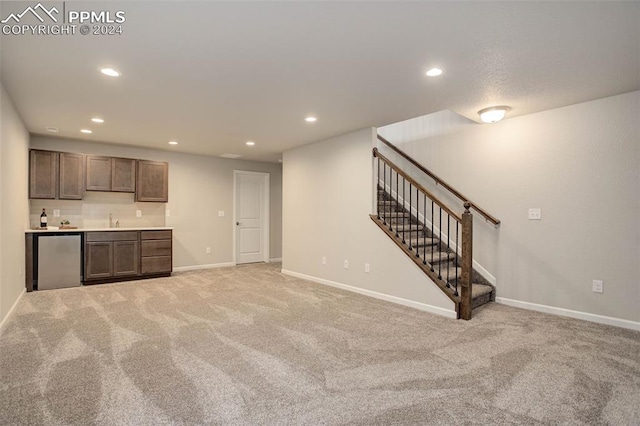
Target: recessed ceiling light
{"x": 86, "y": 131}
{"x": 97, "y": 120}
{"x": 52, "y": 129}
{"x": 310, "y": 119}
{"x": 434, "y": 72}
{"x": 250, "y": 143}
{"x": 173, "y": 143}
{"x": 493, "y": 114}
{"x": 110, "y": 72}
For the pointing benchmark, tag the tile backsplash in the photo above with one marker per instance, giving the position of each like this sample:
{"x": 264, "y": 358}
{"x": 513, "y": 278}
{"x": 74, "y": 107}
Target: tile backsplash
{"x": 93, "y": 211}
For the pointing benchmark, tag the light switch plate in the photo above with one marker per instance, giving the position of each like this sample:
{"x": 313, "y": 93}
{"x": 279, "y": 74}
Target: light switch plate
{"x": 346, "y": 264}
{"x": 367, "y": 268}
{"x": 138, "y": 213}
{"x": 56, "y": 213}
{"x": 324, "y": 260}
{"x": 535, "y": 214}
{"x": 167, "y": 213}
{"x": 598, "y": 286}
{"x": 220, "y": 213}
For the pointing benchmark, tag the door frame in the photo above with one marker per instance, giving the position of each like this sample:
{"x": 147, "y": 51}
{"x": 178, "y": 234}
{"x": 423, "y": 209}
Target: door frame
{"x": 265, "y": 213}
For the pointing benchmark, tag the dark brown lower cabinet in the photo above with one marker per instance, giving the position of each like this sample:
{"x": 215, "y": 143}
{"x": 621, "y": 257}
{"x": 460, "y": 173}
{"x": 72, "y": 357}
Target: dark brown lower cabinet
{"x": 111, "y": 254}
{"x": 155, "y": 253}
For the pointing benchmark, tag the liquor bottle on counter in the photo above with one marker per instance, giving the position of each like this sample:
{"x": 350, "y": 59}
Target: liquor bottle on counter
{"x": 43, "y": 219}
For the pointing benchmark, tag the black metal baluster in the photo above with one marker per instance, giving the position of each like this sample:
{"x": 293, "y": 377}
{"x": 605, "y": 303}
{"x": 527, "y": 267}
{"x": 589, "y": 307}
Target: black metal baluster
{"x": 404, "y": 226}
{"x": 410, "y": 215}
{"x": 432, "y": 235}
{"x": 384, "y": 182}
{"x": 378, "y": 190}
{"x": 391, "y": 198}
{"x": 455, "y": 293}
{"x": 424, "y": 232}
{"x": 397, "y": 200}
{"x": 440, "y": 238}
{"x": 418, "y": 223}
{"x": 448, "y": 244}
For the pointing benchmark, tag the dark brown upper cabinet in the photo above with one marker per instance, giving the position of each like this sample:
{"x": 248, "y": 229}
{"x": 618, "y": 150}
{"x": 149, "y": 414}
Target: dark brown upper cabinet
{"x": 123, "y": 175}
{"x": 152, "y": 183}
{"x": 43, "y": 174}
{"x": 71, "y": 176}
{"x": 110, "y": 174}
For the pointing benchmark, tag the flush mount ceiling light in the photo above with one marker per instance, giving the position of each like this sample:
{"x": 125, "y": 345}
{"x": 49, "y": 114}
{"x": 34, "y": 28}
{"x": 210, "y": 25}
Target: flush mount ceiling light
{"x": 86, "y": 131}
{"x": 52, "y": 129}
{"x": 434, "y": 72}
{"x": 97, "y": 120}
{"x": 250, "y": 143}
{"x": 493, "y": 114}
{"x": 110, "y": 72}
{"x": 173, "y": 143}
{"x": 310, "y": 119}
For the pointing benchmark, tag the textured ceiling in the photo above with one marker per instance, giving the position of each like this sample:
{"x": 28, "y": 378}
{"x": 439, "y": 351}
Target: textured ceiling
{"x": 213, "y": 75}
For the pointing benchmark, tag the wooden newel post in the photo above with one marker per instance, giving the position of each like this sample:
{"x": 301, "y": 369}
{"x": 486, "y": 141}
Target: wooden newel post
{"x": 467, "y": 263}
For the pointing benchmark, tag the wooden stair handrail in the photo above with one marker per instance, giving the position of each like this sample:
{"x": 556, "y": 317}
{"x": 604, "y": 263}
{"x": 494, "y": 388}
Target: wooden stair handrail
{"x": 442, "y": 205}
{"x": 439, "y": 181}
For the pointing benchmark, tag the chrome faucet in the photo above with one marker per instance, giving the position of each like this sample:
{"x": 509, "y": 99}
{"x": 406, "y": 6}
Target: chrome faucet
{"x": 117, "y": 224}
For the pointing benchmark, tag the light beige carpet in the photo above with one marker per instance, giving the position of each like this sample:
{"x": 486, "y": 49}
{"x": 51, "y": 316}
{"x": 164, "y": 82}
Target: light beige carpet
{"x": 250, "y": 346}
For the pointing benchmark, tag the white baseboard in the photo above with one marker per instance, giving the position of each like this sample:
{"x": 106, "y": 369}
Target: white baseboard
{"x": 13, "y": 307}
{"x": 208, "y": 266}
{"x": 600, "y": 319}
{"x": 277, "y": 259}
{"x": 393, "y": 299}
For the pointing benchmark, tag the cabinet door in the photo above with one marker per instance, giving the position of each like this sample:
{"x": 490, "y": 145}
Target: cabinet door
{"x": 152, "y": 183}
{"x": 125, "y": 258}
{"x": 71, "y": 176}
{"x": 43, "y": 174}
{"x": 123, "y": 175}
{"x": 98, "y": 260}
{"x": 98, "y": 173}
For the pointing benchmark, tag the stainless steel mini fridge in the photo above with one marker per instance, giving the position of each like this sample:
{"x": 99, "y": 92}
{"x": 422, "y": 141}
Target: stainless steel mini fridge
{"x": 59, "y": 261}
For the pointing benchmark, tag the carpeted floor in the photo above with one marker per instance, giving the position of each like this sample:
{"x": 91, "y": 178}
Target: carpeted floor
{"x": 250, "y": 346}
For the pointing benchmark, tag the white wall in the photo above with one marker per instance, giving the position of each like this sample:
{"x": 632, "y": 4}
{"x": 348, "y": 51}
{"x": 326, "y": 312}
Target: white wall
{"x": 327, "y": 199}
{"x": 199, "y": 187}
{"x": 14, "y": 145}
{"x": 581, "y": 165}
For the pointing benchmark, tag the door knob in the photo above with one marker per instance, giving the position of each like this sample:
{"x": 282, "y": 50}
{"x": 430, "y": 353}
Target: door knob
{"x": 238, "y": 223}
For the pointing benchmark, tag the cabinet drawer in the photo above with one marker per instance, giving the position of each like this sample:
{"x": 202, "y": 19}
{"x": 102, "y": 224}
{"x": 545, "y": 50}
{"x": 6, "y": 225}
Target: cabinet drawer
{"x": 156, "y": 264}
{"x": 156, "y": 235}
{"x": 111, "y": 236}
{"x": 156, "y": 248}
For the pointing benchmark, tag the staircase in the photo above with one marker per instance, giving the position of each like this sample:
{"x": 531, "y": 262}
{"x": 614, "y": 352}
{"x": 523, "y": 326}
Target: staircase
{"x": 434, "y": 236}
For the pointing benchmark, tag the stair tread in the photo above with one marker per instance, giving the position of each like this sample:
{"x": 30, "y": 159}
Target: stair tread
{"x": 407, "y": 227}
{"x": 478, "y": 290}
{"x": 421, "y": 242}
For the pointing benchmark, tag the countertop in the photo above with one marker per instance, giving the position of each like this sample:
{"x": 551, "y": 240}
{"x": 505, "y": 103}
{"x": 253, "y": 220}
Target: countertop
{"x": 56, "y": 229}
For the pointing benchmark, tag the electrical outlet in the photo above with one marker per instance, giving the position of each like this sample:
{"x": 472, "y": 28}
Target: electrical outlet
{"x": 138, "y": 213}
{"x": 208, "y": 250}
{"x": 324, "y": 260}
{"x": 346, "y": 264}
{"x": 220, "y": 213}
{"x": 167, "y": 213}
{"x": 367, "y": 268}
{"x": 535, "y": 214}
{"x": 56, "y": 212}
{"x": 598, "y": 286}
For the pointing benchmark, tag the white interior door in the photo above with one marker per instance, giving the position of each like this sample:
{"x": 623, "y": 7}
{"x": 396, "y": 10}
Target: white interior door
{"x": 252, "y": 217}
